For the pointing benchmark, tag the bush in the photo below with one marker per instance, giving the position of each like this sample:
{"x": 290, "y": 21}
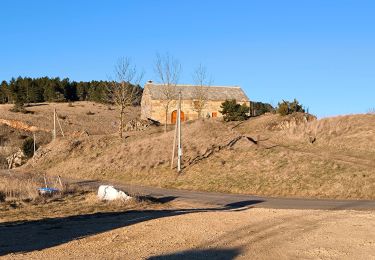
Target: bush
{"x": 20, "y": 109}
{"x": 3, "y": 162}
{"x": 260, "y": 108}
{"x": 17, "y": 108}
{"x": 2, "y": 196}
{"x": 234, "y": 112}
{"x": 62, "y": 117}
{"x": 285, "y": 107}
{"x": 28, "y": 147}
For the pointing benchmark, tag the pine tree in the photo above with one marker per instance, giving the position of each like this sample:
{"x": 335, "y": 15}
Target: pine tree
{"x": 3, "y": 92}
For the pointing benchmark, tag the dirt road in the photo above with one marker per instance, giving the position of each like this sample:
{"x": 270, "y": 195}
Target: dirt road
{"x": 221, "y": 226}
{"x": 199, "y": 233}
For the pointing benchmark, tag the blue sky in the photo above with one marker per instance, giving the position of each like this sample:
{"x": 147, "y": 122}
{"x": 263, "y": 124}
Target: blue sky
{"x": 321, "y": 52}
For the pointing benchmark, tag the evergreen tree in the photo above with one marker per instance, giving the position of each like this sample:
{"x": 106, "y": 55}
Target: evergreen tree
{"x": 285, "y": 107}
{"x": 3, "y": 92}
{"x": 18, "y": 92}
{"x": 27, "y": 90}
{"x": 234, "y": 112}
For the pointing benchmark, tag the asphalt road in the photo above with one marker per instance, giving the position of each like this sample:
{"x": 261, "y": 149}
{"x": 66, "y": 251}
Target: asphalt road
{"x": 236, "y": 200}
{"x": 225, "y": 199}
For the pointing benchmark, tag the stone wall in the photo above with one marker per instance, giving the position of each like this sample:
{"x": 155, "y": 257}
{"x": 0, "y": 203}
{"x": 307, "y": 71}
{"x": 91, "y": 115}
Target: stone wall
{"x": 146, "y": 105}
{"x": 155, "y": 109}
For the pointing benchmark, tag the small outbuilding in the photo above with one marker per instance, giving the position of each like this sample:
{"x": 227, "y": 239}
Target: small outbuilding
{"x": 197, "y": 101}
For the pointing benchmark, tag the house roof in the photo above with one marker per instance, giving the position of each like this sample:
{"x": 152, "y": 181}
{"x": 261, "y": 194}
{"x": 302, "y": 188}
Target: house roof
{"x": 188, "y": 92}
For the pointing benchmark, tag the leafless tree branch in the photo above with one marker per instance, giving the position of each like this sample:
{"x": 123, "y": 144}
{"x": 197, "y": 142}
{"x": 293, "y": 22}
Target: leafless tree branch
{"x": 121, "y": 90}
{"x": 202, "y": 81}
{"x": 168, "y": 71}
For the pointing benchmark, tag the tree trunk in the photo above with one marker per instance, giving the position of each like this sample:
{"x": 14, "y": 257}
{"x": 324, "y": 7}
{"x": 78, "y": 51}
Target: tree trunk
{"x": 166, "y": 119}
{"x": 121, "y": 127}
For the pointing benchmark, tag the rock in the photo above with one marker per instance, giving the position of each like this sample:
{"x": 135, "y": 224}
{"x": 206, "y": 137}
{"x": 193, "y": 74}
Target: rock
{"x": 137, "y": 125}
{"x": 291, "y": 121}
{"x": 78, "y": 134}
{"x": 106, "y": 192}
{"x": 40, "y": 153}
{"x": 84, "y": 134}
{"x": 17, "y": 159}
{"x": 312, "y": 139}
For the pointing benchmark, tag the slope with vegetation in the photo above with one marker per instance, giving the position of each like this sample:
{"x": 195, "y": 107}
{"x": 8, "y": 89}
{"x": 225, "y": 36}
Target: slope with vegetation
{"x": 79, "y": 118}
{"x": 294, "y": 155}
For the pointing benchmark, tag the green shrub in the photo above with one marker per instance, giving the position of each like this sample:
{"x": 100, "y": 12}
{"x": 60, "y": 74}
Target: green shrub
{"x": 28, "y": 147}
{"x": 18, "y": 108}
{"x": 260, "y": 108}
{"x": 234, "y": 112}
{"x": 285, "y": 107}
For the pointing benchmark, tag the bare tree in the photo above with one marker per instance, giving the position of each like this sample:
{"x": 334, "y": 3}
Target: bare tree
{"x": 168, "y": 70}
{"x": 122, "y": 89}
{"x": 202, "y": 81}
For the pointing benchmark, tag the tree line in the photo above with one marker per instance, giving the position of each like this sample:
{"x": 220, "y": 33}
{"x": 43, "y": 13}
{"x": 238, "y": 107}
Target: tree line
{"x": 25, "y": 90}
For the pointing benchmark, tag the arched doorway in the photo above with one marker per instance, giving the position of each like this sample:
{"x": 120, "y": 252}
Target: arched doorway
{"x": 174, "y": 117}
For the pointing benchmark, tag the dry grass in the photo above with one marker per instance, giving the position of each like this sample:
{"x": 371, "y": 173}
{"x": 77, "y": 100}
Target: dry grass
{"x": 77, "y": 119}
{"x": 11, "y": 140}
{"x": 339, "y": 164}
{"x": 21, "y": 200}
{"x": 74, "y": 118}
{"x": 145, "y": 151}
{"x": 15, "y": 189}
{"x": 73, "y": 204}
{"x": 284, "y": 163}
{"x": 19, "y": 189}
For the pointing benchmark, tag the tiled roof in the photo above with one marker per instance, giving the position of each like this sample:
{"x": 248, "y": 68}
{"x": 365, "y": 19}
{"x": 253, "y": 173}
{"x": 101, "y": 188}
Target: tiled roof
{"x": 188, "y": 92}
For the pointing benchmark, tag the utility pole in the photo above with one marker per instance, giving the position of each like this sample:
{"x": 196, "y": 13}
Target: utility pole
{"x": 174, "y": 144}
{"x": 54, "y": 124}
{"x": 34, "y": 143}
{"x": 250, "y": 110}
{"x": 58, "y": 121}
{"x": 179, "y": 147}
{"x": 178, "y": 134}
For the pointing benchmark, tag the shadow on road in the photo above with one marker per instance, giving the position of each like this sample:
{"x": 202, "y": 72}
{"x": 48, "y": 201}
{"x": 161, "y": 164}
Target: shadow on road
{"x": 223, "y": 254}
{"x": 26, "y": 236}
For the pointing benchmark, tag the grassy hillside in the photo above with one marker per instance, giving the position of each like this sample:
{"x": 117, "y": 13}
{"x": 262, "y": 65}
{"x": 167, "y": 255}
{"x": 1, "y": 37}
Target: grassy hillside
{"x": 94, "y": 118}
{"x": 283, "y": 156}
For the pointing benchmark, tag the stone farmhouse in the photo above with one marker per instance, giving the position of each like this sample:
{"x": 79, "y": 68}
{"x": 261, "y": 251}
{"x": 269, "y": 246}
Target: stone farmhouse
{"x": 154, "y": 100}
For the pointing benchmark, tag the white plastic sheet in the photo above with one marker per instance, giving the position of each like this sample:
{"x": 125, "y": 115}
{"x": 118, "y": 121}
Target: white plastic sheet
{"x": 106, "y": 192}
